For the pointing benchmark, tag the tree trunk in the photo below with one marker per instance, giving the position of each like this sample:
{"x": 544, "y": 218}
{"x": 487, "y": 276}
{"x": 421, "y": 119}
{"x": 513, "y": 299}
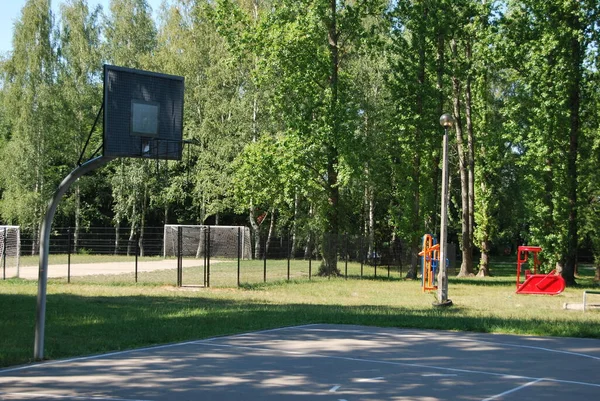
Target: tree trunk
{"x": 470, "y": 155}
{"x": 35, "y": 243}
{"x": 574, "y": 104}
{"x": 255, "y": 232}
{"x": 131, "y": 238}
{"x": 437, "y": 172}
{"x": 77, "y": 217}
{"x": 117, "y": 229}
{"x": 140, "y": 239}
{"x": 484, "y": 263}
{"x": 419, "y": 44}
{"x": 271, "y": 229}
{"x": 329, "y": 266}
{"x": 371, "y": 203}
{"x": 466, "y": 268}
{"x": 295, "y": 225}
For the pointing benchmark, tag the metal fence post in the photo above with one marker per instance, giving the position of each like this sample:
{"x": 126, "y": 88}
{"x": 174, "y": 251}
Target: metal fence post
{"x": 69, "y": 245}
{"x": 4, "y": 253}
{"x": 346, "y": 255}
{"x": 239, "y": 253}
{"x": 374, "y": 259}
{"x": 137, "y": 253}
{"x": 361, "y": 255}
{"x": 205, "y": 260}
{"x": 289, "y": 255}
{"x": 179, "y": 257}
{"x": 208, "y": 259}
{"x": 265, "y": 260}
{"x": 310, "y": 257}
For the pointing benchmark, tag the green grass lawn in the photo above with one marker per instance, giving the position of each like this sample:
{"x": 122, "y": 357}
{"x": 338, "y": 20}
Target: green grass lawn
{"x": 102, "y": 313}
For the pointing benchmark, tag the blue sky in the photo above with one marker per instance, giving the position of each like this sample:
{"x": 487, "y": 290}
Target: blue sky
{"x": 11, "y": 11}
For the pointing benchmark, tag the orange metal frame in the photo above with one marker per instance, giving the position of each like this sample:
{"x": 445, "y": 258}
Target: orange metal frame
{"x": 431, "y": 256}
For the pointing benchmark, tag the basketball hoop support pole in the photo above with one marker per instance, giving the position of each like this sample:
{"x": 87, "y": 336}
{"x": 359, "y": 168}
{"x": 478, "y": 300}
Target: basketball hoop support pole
{"x": 40, "y": 318}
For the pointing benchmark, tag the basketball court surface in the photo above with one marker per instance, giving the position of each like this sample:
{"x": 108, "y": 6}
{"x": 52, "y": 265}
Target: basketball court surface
{"x": 325, "y": 362}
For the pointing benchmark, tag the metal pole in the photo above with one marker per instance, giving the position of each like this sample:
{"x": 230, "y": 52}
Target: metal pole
{"x": 289, "y": 256}
{"x": 4, "y": 254}
{"x": 137, "y": 253}
{"x": 361, "y": 255}
{"x": 375, "y": 261}
{"x": 179, "y": 257}
{"x": 239, "y": 254}
{"x": 205, "y": 254}
{"x": 346, "y": 256}
{"x": 265, "y": 261}
{"x": 208, "y": 259}
{"x": 69, "y": 243}
{"x": 442, "y": 294}
{"x": 310, "y": 257}
{"x": 443, "y": 274}
{"x": 40, "y": 320}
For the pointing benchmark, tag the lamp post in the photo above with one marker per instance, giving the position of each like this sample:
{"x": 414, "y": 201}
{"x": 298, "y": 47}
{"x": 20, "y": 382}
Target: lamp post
{"x": 446, "y": 121}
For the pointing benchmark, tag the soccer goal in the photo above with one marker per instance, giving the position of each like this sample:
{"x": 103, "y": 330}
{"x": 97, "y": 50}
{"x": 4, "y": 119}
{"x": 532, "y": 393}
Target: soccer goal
{"x": 213, "y": 241}
{"x": 10, "y": 250}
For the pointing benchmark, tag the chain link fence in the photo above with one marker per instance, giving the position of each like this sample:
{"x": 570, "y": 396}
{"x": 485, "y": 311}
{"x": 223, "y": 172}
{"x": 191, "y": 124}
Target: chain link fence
{"x": 125, "y": 255}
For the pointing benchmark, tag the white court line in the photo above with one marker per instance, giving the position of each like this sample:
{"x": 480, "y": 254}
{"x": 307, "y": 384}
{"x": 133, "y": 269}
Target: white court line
{"x": 371, "y": 380}
{"x": 69, "y": 397}
{"x": 463, "y": 340}
{"x": 439, "y": 374}
{"x": 151, "y": 348}
{"x": 513, "y": 390}
{"x": 413, "y": 365}
{"x": 250, "y": 333}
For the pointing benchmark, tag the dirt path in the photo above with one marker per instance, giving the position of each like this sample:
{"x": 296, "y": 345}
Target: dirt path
{"x": 90, "y": 269}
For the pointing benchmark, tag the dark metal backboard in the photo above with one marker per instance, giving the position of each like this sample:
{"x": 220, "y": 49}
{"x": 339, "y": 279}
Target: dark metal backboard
{"x": 143, "y": 114}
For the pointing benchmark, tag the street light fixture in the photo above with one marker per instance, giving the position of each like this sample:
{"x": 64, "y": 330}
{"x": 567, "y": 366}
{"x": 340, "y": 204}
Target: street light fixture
{"x": 446, "y": 121}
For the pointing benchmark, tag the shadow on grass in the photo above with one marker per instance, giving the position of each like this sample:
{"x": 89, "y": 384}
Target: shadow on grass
{"x": 82, "y": 325}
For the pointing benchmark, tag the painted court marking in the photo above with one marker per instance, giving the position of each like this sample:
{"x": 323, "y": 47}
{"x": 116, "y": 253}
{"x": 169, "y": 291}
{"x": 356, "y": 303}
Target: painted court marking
{"x": 414, "y": 365}
{"x": 424, "y": 336}
{"x": 155, "y": 347}
{"x": 264, "y": 347}
{"x": 439, "y": 375}
{"x": 69, "y": 397}
{"x": 514, "y": 390}
{"x": 372, "y": 380}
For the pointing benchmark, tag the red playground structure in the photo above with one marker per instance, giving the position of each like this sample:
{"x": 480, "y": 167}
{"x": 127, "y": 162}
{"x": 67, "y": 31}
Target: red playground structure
{"x": 548, "y": 284}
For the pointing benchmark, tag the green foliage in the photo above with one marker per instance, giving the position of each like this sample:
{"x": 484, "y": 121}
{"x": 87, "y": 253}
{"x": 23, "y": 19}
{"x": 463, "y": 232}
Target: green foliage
{"x": 30, "y": 106}
{"x": 326, "y": 117}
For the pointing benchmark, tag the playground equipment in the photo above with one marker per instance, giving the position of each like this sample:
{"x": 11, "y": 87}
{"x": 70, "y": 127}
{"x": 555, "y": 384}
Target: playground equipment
{"x": 430, "y": 257}
{"x": 548, "y": 284}
{"x": 584, "y": 305}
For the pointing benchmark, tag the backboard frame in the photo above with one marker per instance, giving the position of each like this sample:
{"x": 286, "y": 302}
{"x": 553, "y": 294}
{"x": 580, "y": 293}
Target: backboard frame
{"x": 156, "y": 132}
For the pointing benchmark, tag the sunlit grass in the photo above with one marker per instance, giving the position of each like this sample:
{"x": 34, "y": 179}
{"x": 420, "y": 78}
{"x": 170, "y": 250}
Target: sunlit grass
{"x": 103, "y": 313}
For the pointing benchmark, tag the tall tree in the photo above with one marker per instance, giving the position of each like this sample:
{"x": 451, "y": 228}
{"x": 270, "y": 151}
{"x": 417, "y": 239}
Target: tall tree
{"x": 30, "y": 103}
{"x": 555, "y": 35}
{"x": 79, "y": 77}
{"x": 130, "y": 40}
{"x": 299, "y": 49}
{"x": 218, "y": 101}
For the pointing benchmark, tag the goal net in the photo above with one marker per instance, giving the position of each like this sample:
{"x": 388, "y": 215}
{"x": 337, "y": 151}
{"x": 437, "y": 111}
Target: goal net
{"x": 196, "y": 240}
{"x": 10, "y": 249}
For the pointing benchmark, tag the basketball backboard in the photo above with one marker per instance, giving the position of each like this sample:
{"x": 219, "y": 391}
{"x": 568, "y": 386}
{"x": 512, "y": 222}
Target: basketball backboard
{"x": 143, "y": 114}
